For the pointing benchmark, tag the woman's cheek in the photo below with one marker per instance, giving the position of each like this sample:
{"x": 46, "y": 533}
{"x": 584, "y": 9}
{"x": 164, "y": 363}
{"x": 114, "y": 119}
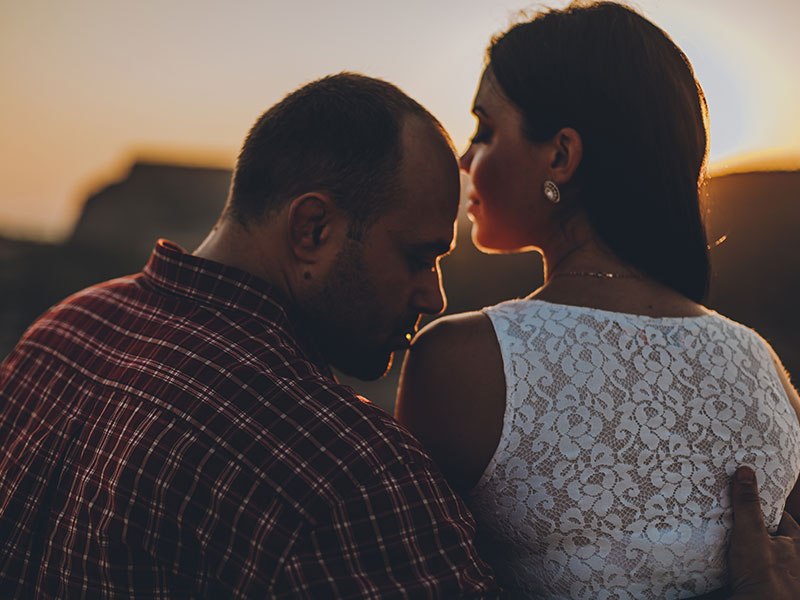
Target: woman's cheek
{"x": 485, "y": 179}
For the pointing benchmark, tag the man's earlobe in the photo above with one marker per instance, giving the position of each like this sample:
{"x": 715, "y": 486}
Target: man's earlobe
{"x": 310, "y": 219}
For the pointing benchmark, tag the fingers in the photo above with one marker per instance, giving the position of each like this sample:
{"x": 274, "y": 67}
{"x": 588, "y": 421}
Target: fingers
{"x": 748, "y": 522}
{"x": 761, "y": 566}
{"x": 789, "y": 527}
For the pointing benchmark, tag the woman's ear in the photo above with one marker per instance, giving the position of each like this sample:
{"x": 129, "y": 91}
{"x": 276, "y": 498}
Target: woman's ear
{"x": 314, "y": 221}
{"x": 568, "y": 152}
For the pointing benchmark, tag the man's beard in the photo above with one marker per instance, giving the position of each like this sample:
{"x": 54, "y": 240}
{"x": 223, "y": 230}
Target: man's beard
{"x": 343, "y": 318}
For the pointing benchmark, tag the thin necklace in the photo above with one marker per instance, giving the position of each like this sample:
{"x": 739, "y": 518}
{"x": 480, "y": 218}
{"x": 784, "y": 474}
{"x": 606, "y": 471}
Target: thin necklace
{"x": 598, "y": 274}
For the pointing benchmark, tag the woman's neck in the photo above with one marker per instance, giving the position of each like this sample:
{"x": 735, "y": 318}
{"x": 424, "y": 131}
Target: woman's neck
{"x": 580, "y": 270}
{"x": 576, "y": 249}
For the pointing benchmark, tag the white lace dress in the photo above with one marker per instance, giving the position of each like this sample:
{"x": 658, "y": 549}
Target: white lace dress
{"x": 610, "y": 480}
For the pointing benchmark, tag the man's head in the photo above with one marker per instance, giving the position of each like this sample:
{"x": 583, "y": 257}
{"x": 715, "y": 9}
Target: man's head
{"x": 340, "y": 134}
{"x": 373, "y": 294}
{"x": 344, "y": 196}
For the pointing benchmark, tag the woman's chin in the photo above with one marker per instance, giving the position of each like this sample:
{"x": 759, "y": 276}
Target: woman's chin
{"x": 488, "y": 244}
{"x": 472, "y": 211}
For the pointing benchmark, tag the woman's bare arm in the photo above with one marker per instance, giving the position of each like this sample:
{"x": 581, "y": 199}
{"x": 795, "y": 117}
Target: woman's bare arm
{"x": 793, "y": 501}
{"x": 452, "y": 395}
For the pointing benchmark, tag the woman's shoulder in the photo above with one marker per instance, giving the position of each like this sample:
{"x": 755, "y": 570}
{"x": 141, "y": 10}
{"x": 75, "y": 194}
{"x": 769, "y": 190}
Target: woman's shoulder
{"x": 726, "y": 325}
{"x": 470, "y": 329}
{"x": 452, "y": 394}
{"x": 452, "y": 356}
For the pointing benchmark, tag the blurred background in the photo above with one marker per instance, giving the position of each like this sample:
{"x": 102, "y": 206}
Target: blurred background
{"x": 120, "y": 121}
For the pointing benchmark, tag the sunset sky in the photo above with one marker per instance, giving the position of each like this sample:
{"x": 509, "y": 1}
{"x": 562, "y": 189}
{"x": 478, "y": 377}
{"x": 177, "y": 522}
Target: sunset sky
{"x": 88, "y": 85}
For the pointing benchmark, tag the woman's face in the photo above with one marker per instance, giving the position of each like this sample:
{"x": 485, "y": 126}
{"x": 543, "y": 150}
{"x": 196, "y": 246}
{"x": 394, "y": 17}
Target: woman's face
{"x": 507, "y": 171}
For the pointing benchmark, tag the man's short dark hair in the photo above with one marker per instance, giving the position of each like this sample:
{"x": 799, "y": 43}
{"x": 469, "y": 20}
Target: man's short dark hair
{"x": 340, "y": 134}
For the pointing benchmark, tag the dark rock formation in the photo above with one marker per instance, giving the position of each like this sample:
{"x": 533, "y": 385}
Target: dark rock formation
{"x": 755, "y": 277}
{"x": 113, "y": 237}
{"x": 120, "y": 223}
{"x": 756, "y": 269}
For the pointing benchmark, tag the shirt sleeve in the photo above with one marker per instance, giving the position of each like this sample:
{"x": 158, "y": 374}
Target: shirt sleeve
{"x": 403, "y": 534}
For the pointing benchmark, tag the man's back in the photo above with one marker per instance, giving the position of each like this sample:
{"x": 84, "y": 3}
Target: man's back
{"x": 168, "y": 435}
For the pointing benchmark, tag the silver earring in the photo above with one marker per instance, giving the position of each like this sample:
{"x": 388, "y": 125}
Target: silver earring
{"x": 551, "y": 191}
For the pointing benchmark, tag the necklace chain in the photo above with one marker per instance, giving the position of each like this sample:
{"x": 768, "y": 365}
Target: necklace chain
{"x": 598, "y": 274}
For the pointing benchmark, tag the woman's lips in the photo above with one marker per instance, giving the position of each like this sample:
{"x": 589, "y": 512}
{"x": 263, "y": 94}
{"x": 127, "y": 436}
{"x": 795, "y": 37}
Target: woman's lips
{"x": 472, "y": 205}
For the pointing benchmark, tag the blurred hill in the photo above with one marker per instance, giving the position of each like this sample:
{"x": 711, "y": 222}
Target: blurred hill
{"x": 113, "y": 237}
{"x": 756, "y": 268}
{"x": 120, "y": 223}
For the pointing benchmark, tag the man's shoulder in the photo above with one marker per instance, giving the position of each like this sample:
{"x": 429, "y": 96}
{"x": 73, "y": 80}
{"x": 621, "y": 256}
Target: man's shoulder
{"x": 238, "y": 385}
{"x": 301, "y": 441}
{"x": 341, "y": 439}
{"x": 111, "y": 291}
{"x": 390, "y": 442}
{"x": 105, "y": 301}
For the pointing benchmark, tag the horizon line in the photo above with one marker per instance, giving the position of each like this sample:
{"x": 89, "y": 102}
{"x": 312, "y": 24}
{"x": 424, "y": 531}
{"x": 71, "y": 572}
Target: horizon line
{"x": 771, "y": 161}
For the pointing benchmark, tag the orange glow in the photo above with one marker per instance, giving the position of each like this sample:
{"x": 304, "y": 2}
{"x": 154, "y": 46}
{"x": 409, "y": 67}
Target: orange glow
{"x": 787, "y": 159}
{"x": 90, "y": 86}
{"x": 33, "y": 216}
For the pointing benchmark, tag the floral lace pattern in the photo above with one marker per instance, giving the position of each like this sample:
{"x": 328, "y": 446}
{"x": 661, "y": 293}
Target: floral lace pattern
{"x": 610, "y": 480}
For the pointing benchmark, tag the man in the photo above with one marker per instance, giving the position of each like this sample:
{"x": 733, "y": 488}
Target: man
{"x": 177, "y": 433}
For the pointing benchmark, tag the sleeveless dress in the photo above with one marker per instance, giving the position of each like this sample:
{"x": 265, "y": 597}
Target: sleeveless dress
{"x": 611, "y": 477}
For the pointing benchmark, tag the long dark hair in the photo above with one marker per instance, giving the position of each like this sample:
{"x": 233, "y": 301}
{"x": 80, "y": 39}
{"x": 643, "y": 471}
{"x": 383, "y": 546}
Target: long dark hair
{"x": 630, "y": 92}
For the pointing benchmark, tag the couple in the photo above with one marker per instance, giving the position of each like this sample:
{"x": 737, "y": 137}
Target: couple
{"x": 178, "y": 433}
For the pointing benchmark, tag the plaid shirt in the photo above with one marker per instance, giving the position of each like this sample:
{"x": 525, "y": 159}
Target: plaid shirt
{"x": 167, "y": 435}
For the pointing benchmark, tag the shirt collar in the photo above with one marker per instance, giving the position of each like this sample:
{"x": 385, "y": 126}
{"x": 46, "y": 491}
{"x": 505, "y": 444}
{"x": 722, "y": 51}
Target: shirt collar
{"x": 174, "y": 271}
{"x": 171, "y": 270}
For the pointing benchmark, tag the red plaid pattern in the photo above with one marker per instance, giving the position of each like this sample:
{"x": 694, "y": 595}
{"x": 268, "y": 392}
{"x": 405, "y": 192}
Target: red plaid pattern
{"x": 167, "y": 435}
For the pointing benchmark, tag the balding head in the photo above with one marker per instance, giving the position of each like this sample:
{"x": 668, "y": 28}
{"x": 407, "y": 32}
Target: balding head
{"x": 341, "y": 135}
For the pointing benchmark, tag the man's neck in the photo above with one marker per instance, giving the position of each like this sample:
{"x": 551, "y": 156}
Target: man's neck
{"x": 248, "y": 248}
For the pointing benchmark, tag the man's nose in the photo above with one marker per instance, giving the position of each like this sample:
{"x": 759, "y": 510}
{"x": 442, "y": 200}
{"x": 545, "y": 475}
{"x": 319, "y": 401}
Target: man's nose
{"x": 429, "y": 297}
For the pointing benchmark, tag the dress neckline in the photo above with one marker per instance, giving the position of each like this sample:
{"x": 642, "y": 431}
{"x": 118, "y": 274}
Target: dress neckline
{"x": 618, "y": 314}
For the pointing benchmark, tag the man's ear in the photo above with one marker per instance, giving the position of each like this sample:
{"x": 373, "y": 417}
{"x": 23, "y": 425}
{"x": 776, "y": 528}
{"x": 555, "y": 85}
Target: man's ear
{"x": 567, "y": 148}
{"x": 314, "y": 221}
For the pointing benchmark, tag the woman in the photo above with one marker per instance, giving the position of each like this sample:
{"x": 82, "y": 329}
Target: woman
{"x": 591, "y": 424}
